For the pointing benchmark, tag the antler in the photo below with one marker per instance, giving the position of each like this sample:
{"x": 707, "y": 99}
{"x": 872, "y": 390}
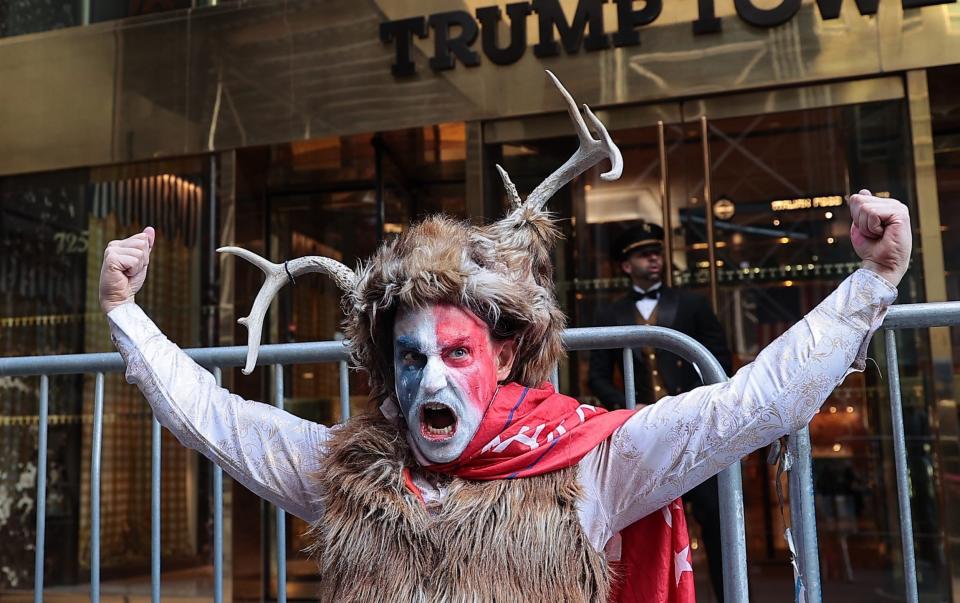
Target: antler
{"x": 276, "y": 276}
{"x": 515, "y": 200}
{"x": 590, "y": 153}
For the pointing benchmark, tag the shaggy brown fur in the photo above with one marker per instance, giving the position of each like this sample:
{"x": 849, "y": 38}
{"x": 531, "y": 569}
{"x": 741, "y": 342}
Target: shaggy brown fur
{"x": 497, "y": 541}
{"x": 500, "y": 272}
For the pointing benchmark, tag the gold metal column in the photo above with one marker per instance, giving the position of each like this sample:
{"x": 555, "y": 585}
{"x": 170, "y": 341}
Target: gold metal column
{"x": 928, "y": 202}
{"x": 931, "y": 239}
{"x": 708, "y": 213}
{"x": 665, "y": 208}
{"x": 476, "y": 203}
{"x": 946, "y": 427}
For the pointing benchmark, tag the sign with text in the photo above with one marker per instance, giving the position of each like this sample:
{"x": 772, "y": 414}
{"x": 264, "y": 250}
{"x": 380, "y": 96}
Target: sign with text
{"x": 455, "y": 32}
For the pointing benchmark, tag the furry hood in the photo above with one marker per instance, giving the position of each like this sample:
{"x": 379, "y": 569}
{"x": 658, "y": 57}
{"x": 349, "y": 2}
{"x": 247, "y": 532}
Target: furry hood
{"x": 501, "y": 273}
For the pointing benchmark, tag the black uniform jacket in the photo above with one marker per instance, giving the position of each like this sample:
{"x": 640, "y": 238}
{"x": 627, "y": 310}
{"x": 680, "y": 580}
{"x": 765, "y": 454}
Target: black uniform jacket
{"x": 678, "y": 309}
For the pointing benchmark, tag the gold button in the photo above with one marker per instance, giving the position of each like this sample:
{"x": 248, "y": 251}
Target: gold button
{"x": 655, "y": 372}
{"x": 679, "y": 362}
{"x": 652, "y": 356}
{"x": 656, "y": 388}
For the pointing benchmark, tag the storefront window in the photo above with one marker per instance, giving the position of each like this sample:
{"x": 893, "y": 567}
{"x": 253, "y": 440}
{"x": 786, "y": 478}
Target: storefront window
{"x": 945, "y": 123}
{"x": 53, "y": 229}
{"x": 19, "y": 17}
{"x": 782, "y": 244}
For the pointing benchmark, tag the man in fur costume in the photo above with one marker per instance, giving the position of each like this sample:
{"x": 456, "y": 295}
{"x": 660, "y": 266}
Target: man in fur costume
{"x": 471, "y": 479}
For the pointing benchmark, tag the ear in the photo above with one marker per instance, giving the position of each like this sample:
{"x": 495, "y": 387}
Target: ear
{"x": 627, "y": 267}
{"x": 506, "y": 352}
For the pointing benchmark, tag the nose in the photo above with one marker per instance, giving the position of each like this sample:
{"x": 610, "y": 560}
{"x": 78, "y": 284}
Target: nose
{"x": 434, "y": 376}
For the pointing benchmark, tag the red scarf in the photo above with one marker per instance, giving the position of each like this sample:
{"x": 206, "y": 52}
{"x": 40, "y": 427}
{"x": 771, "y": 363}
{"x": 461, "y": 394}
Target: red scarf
{"x": 532, "y": 431}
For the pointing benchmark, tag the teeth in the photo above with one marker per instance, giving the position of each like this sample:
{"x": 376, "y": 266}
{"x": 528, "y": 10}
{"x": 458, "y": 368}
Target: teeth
{"x": 435, "y": 406}
{"x": 440, "y": 430}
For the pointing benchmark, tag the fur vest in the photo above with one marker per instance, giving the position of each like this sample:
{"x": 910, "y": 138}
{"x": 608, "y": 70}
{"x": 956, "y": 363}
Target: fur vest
{"x": 496, "y": 541}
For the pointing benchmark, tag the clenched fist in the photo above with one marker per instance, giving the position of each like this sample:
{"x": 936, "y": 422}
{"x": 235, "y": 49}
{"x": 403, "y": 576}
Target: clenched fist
{"x": 124, "y": 269}
{"x": 881, "y": 234}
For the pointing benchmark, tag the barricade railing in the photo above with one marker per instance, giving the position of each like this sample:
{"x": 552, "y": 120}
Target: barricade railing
{"x": 583, "y": 339}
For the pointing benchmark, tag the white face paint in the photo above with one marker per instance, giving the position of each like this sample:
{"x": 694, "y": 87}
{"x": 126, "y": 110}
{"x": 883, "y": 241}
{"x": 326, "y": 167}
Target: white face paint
{"x": 446, "y": 374}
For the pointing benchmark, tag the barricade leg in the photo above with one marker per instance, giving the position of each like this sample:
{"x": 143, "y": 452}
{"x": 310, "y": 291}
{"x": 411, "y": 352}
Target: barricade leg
{"x": 155, "y": 513}
{"x": 217, "y": 520}
{"x": 41, "y": 489}
{"x": 900, "y": 458}
{"x": 629, "y": 384}
{"x": 95, "y": 490}
{"x": 733, "y": 536}
{"x": 344, "y": 392}
{"x": 281, "y": 516}
{"x": 803, "y": 516}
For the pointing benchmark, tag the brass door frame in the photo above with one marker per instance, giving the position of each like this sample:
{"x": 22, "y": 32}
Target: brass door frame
{"x": 773, "y": 101}
{"x": 833, "y": 94}
{"x": 687, "y": 112}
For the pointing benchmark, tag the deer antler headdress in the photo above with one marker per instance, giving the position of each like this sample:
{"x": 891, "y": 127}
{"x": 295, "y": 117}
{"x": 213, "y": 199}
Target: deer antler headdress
{"x": 501, "y": 272}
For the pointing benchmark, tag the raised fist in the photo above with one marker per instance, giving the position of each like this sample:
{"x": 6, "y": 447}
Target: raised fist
{"x": 881, "y": 234}
{"x": 124, "y": 268}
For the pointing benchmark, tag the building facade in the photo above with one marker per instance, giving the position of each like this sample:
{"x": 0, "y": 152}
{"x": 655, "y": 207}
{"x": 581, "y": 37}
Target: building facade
{"x": 323, "y": 127}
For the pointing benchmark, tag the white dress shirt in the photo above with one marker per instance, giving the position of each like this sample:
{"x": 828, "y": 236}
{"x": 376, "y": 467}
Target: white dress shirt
{"x": 647, "y": 305}
{"x": 661, "y": 452}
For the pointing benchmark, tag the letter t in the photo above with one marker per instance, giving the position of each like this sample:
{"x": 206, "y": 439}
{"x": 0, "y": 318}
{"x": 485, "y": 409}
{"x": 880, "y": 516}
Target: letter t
{"x": 401, "y": 32}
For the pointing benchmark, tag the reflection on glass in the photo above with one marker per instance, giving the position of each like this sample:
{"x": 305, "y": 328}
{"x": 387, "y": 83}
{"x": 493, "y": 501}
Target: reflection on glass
{"x": 53, "y": 229}
{"x": 946, "y": 125}
{"x": 25, "y": 17}
{"x": 782, "y": 244}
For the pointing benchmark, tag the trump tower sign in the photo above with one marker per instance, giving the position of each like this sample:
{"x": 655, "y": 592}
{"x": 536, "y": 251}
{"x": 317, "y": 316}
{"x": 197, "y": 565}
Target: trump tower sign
{"x": 455, "y": 32}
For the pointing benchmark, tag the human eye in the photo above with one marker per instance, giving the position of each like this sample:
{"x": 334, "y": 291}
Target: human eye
{"x": 459, "y": 353}
{"x": 409, "y": 358}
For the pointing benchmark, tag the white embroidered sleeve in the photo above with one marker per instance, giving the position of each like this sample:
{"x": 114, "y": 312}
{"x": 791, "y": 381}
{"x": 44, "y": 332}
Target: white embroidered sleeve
{"x": 668, "y": 448}
{"x": 271, "y": 452}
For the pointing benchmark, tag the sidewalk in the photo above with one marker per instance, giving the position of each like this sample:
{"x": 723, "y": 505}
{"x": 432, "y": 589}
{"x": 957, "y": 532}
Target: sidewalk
{"x": 771, "y": 582}
{"x": 194, "y": 585}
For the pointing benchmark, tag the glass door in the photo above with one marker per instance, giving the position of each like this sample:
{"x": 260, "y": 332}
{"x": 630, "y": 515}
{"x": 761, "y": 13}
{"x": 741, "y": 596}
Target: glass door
{"x": 768, "y": 174}
{"x": 339, "y": 197}
{"x": 775, "y": 192}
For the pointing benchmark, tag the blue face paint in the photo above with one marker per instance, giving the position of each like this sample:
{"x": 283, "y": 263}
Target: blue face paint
{"x": 409, "y": 362}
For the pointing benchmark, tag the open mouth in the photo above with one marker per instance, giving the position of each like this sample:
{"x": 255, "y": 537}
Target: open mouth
{"x": 437, "y": 421}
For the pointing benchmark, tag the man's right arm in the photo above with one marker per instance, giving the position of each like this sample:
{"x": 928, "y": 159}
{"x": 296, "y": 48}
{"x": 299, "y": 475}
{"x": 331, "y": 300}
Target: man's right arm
{"x": 271, "y": 452}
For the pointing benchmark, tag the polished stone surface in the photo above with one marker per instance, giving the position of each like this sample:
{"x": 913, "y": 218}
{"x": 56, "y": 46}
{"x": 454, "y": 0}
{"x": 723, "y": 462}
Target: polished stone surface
{"x": 252, "y": 73}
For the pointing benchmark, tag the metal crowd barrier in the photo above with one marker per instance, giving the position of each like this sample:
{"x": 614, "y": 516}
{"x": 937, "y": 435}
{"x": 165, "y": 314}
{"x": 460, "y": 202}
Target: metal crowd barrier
{"x": 731, "y": 494}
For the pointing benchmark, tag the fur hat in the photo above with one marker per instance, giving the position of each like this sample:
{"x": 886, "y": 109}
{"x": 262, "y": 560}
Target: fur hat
{"x": 501, "y": 272}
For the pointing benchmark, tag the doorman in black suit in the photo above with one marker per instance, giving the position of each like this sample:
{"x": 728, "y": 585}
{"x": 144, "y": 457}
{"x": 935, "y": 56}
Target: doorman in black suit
{"x": 639, "y": 253}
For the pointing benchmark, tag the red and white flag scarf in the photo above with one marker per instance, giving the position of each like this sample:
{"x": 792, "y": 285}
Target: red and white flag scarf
{"x": 531, "y": 431}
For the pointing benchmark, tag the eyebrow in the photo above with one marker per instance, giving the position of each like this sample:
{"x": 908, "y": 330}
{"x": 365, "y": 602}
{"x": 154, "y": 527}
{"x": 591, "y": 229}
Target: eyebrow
{"x": 458, "y": 341}
{"x": 408, "y": 342}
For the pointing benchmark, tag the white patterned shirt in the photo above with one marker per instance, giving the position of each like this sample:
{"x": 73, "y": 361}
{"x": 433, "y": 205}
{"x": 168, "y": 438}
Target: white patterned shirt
{"x": 658, "y": 454}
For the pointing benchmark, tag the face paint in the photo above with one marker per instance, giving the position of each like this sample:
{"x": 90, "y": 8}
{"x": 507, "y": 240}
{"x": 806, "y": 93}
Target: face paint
{"x": 446, "y": 374}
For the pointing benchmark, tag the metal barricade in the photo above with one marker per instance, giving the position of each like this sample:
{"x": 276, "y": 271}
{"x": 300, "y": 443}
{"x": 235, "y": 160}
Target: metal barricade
{"x": 98, "y": 364}
{"x": 803, "y": 515}
{"x": 731, "y": 494}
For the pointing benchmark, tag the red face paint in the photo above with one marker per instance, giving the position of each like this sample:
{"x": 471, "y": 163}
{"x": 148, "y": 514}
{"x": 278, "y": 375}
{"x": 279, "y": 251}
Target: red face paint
{"x": 465, "y": 344}
{"x": 445, "y": 368}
